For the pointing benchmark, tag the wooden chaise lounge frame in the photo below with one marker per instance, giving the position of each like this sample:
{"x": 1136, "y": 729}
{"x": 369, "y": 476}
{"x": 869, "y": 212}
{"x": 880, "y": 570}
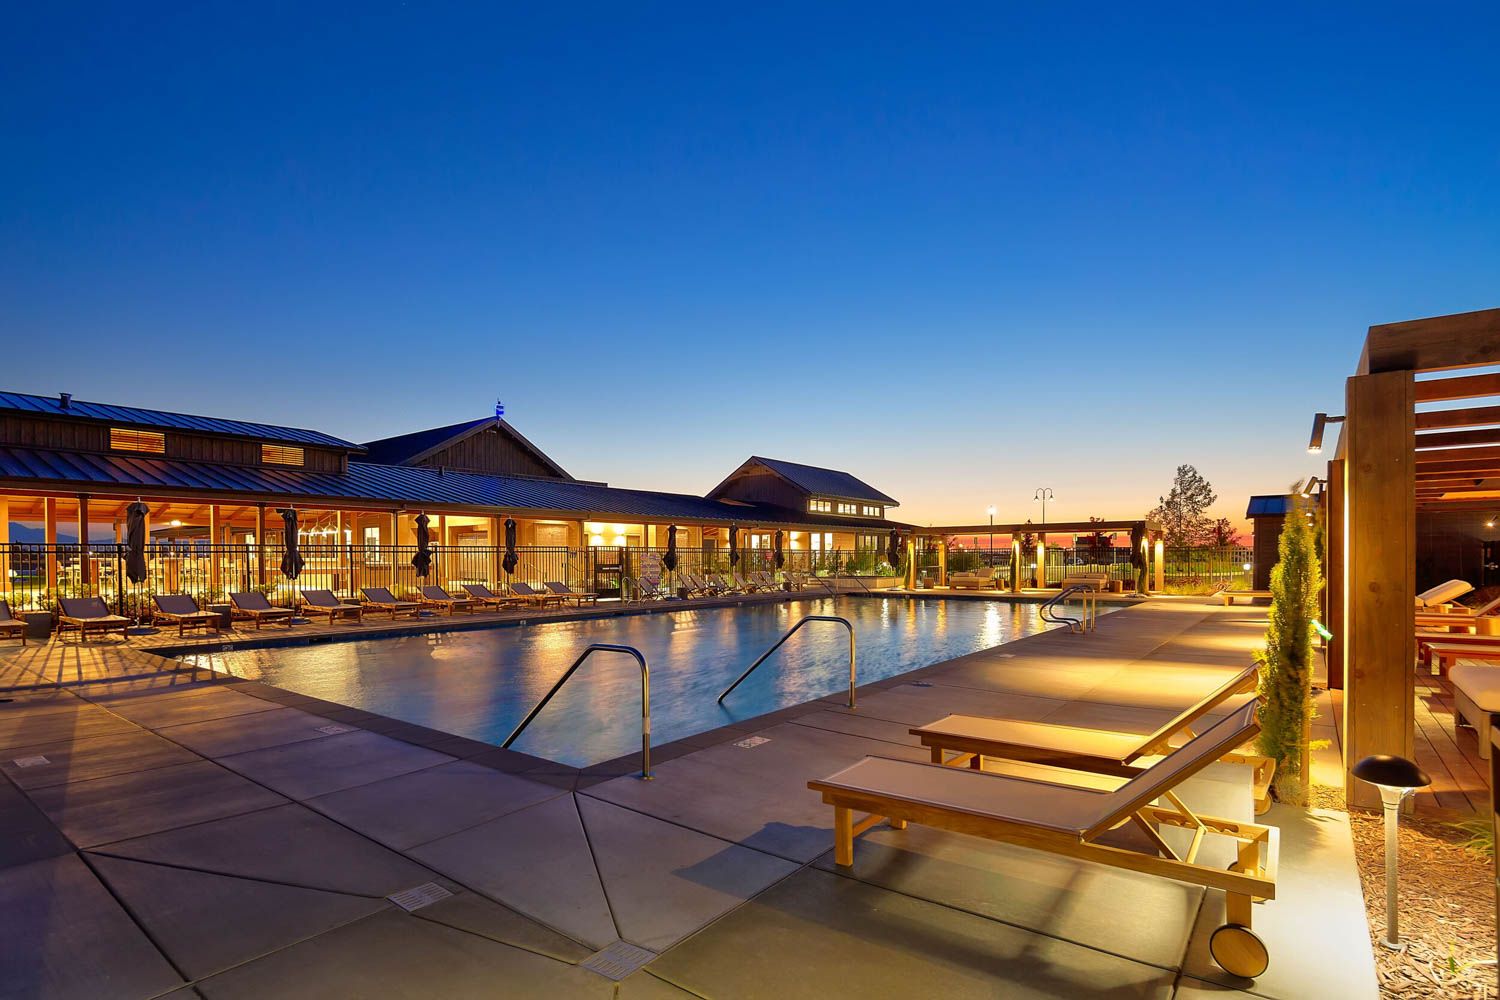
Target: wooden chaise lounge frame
{"x": 10, "y": 625}
{"x": 433, "y": 596}
{"x": 484, "y": 595}
{"x": 1095, "y": 750}
{"x": 254, "y": 605}
{"x": 326, "y": 602}
{"x": 90, "y": 615}
{"x": 1051, "y": 814}
{"x": 181, "y": 610}
{"x": 381, "y": 599}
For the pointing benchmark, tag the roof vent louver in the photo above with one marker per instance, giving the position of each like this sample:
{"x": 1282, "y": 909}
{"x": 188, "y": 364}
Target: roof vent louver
{"x": 65, "y": 400}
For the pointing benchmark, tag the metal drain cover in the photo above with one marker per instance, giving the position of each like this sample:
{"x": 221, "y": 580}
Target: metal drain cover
{"x": 30, "y": 761}
{"x": 419, "y": 896}
{"x": 334, "y": 730}
{"x": 618, "y": 960}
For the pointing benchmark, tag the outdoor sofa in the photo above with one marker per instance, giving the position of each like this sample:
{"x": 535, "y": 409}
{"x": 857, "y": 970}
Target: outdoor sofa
{"x": 978, "y": 579}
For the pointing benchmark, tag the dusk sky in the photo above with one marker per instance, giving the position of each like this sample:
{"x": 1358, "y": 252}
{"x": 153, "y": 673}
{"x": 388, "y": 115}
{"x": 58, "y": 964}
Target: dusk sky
{"x": 959, "y": 253}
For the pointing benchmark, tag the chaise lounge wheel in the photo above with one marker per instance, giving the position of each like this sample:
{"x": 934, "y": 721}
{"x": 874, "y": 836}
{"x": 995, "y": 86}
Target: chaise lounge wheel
{"x": 1239, "y": 951}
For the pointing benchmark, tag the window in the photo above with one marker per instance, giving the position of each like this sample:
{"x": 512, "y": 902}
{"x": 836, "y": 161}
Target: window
{"x": 870, "y": 511}
{"x": 276, "y": 454}
{"x": 151, "y": 442}
{"x": 372, "y": 544}
{"x": 848, "y": 508}
{"x": 819, "y": 506}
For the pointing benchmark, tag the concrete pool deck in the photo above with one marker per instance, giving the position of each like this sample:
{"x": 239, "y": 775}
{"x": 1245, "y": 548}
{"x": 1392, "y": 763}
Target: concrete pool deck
{"x": 190, "y": 835}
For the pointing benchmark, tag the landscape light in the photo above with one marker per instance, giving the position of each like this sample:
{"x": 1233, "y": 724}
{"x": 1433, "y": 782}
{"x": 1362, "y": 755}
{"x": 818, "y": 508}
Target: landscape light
{"x": 1396, "y": 777}
{"x": 1320, "y": 420}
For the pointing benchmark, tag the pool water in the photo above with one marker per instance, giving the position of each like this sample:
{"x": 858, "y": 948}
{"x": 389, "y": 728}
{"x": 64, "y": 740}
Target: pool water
{"x": 481, "y": 683}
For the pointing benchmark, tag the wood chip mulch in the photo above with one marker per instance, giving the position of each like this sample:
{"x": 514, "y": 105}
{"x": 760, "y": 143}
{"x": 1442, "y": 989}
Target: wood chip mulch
{"x": 1447, "y": 906}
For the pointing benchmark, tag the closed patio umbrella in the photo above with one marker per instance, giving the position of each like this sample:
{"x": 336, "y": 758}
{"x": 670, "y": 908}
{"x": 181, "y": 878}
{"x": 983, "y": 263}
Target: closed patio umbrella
{"x": 893, "y": 549}
{"x": 669, "y": 558}
{"x": 422, "y": 561}
{"x": 291, "y": 561}
{"x": 780, "y": 555}
{"x": 734, "y": 545}
{"x": 510, "y": 560}
{"x": 135, "y": 537}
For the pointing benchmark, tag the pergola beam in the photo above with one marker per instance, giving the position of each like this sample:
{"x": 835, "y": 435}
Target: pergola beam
{"x": 1460, "y": 387}
{"x": 1436, "y": 343}
{"x": 1468, "y": 416}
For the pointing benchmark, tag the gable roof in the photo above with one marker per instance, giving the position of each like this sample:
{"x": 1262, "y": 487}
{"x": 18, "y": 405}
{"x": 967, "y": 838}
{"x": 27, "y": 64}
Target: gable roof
{"x": 411, "y": 449}
{"x": 814, "y": 480}
{"x": 77, "y": 409}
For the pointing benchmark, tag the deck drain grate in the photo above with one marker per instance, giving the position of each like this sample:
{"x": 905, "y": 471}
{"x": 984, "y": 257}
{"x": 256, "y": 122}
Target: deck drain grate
{"x": 335, "y": 730}
{"x": 751, "y": 742}
{"x": 419, "y": 896}
{"x": 31, "y": 761}
{"x": 618, "y": 960}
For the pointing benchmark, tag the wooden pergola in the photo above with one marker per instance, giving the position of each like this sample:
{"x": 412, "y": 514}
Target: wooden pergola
{"x": 1143, "y": 536}
{"x": 1391, "y": 462}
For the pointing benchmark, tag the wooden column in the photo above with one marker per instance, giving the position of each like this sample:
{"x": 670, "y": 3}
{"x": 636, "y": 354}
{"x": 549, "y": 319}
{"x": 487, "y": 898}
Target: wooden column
{"x": 911, "y": 564}
{"x": 1041, "y": 559}
{"x": 85, "y": 564}
{"x": 1334, "y": 555}
{"x": 215, "y": 539}
{"x": 497, "y": 550}
{"x": 260, "y": 544}
{"x": 1158, "y": 553}
{"x": 49, "y": 535}
{"x": 1379, "y": 572}
{"x": 942, "y": 576}
{"x": 391, "y": 555}
{"x": 1015, "y": 563}
{"x": 5, "y": 544}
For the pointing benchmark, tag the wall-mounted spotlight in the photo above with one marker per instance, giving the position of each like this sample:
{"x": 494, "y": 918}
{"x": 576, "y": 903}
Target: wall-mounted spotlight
{"x": 1313, "y": 482}
{"x": 1320, "y": 420}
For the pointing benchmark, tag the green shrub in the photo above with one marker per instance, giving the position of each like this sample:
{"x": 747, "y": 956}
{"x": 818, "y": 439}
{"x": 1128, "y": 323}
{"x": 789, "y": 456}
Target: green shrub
{"x": 1286, "y": 664}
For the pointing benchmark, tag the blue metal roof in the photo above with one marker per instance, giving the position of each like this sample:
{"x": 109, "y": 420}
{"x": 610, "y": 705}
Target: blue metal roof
{"x": 405, "y": 486}
{"x": 1269, "y": 506}
{"x": 51, "y": 406}
{"x": 825, "y": 482}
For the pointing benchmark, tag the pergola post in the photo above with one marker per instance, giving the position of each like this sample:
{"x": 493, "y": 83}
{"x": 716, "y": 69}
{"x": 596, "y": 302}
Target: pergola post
{"x": 1040, "y": 581}
{"x": 215, "y": 539}
{"x": 911, "y": 563}
{"x": 1158, "y": 553}
{"x": 497, "y": 545}
{"x": 85, "y": 564}
{"x": 1334, "y": 554}
{"x": 1015, "y": 563}
{"x": 942, "y": 573}
{"x": 260, "y": 544}
{"x": 5, "y": 543}
{"x": 49, "y": 535}
{"x": 1379, "y": 571}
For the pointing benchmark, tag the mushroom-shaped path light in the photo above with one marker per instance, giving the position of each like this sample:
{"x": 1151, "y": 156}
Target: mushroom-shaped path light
{"x": 1396, "y": 777}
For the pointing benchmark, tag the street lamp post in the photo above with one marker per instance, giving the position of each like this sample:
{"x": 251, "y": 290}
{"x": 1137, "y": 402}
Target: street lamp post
{"x": 991, "y": 511}
{"x": 1043, "y": 494}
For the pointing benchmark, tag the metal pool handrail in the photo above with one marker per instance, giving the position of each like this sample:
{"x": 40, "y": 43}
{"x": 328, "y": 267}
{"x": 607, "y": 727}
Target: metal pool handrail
{"x": 1048, "y": 612}
{"x": 604, "y": 647}
{"x": 789, "y": 633}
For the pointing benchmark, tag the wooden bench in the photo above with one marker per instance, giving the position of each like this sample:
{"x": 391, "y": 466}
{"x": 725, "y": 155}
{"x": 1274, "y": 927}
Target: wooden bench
{"x": 1230, "y": 595}
{"x": 1447, "y": 654}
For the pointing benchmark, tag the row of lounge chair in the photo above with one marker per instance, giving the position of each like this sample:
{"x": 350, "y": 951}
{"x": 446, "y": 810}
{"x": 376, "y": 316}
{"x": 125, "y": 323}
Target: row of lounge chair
{"x": 1066, "y": 787}
{"x": 91, "y": 616}
{"x": 715, "y": 584}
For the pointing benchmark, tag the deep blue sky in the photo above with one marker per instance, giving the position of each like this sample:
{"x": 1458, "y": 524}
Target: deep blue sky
{"x": 960, "y": 253}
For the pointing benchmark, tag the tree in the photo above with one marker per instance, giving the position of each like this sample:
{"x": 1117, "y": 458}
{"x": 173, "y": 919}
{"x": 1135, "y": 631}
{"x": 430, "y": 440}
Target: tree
{"x": 1286, "y": 664}
{"x": 1180, "y": 512}
{"x": 1222, "y": 533}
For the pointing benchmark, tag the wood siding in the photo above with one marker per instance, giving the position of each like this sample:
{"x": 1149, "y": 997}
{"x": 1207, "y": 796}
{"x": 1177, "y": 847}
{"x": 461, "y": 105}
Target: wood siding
{"x": 89, "y": 436}
{"x": 764, "y": 486}
{"x": 493, "y": 453}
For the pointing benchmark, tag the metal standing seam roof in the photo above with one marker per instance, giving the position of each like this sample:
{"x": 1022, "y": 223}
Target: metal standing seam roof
{"x": 408, "y": 486}
{"x": 52, "y": 406}
{"x": 820, "y": 481}
{"x": 408, "y": 448}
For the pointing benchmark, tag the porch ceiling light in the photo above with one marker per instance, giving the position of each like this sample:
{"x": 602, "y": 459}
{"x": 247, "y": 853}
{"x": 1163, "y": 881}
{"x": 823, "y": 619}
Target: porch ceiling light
{"x": 1396, "y": 777}
{"x": 1320, "y": 420}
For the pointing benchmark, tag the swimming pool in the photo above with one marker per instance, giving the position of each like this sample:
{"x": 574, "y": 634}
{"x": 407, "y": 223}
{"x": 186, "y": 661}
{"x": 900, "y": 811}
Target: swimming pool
{"x": 481, "y": 683}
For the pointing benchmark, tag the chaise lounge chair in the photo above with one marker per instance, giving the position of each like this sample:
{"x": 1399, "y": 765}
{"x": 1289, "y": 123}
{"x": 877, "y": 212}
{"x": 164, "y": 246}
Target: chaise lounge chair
{"x": 90, "y": 614}
{"x": 1050, "y": 811}
{"x": 324, "y": 602}
{"x": 255, "y": 606}
{"x": 1098, "y": 751}
{"x": 382, "y": 599}
{"x": 437, "y": 597}
{"x": 645, "y": 590}
{"x": 489, "y": 598}
{"x": 10, "y": 625}
{"x": 578, "y": 597}
{"x": 765, "y": 580}
{"x": 1442, "y": 594}
{"x": 181, "y": 610}
{"x": 745, "y": 586}
{"x": 538, "y": 597}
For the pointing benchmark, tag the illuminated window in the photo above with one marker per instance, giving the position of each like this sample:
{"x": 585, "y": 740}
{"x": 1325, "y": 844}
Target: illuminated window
{"x": 871, "y": 511}
{"x": 276, "y": 454}
{"x": 151, "y": 442}
{"x": 819, "y": 506}
{"x": 848, "y": 508}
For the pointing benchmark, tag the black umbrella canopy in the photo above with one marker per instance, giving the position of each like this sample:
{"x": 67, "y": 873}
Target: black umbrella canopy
{"x": 422, "y": 561}
{"x": 734, "y": 544}
{"x": 669, "y": 559}
{"x": 893, "y": 549}
{"x": 510, "y": 560}
{"x": 291, "y": 561}
{"x": 135, "y": 536}
{"x": 780, "y": 555}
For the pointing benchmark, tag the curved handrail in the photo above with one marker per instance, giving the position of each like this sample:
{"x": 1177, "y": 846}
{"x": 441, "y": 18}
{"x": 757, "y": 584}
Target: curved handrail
{"x": 1076, "y": 626}
{"x": 603, "y": 647}
{"x": 789, "y": 633}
